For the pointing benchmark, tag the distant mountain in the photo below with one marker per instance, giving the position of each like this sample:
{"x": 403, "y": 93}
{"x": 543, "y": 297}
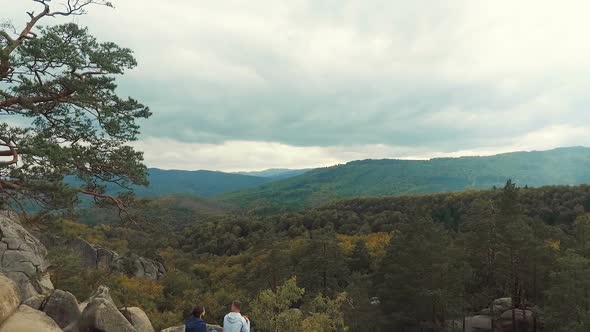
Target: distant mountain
{"x": 569, "y": 166}
{"x": 276, "y": 173}
{"x": 200, "y": 183}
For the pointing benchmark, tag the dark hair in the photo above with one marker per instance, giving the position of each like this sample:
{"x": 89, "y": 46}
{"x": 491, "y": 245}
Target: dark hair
{"x": 237, "y": 304}
{"x": 198, "y": 311}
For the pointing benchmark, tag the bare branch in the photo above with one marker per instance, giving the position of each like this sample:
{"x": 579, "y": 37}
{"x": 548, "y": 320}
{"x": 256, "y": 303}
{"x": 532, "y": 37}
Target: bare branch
{"x": 121, "y": 206}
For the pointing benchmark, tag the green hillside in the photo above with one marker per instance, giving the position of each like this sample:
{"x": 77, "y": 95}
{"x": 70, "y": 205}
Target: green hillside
{"x": 199, "y": 183}
{"x": 276, "y": 173}
{"x": 568, "y": 166}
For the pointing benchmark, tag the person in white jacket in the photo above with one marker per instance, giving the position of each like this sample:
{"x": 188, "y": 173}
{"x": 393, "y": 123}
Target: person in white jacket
{"x": 234, "y": 321}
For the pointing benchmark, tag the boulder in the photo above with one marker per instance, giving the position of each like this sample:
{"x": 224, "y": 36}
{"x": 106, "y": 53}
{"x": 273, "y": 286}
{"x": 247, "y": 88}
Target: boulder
{"x": 138, "y": 266}
{"x": 62, "y": 307}
{"x": 500, "y": 305}
{"x": 97, "y": 257}
{"x": 479, "y": 323}
{"x": 27, "y": 319}
{"x": 23, "y": 258}
{"x": 36, "y": 302}
{"x": 523, "y": 318}
{"x": 9, "y": 298}
{"x": 174, "y": 329}
{"x": 138, "y": 319}
{"x": 101, "y": 314}
{"x": 86, "y": 251}
{"x": 215, "y": 328}
{"x": 105, "y": 258}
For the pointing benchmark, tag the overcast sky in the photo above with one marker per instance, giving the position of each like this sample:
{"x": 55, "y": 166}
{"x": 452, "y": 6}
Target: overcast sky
{"x": 254, "y": 84}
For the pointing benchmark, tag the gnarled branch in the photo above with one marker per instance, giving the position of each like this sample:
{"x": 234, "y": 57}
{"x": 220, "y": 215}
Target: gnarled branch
{"x": 121, "y": 206}
{"x": 12, "y": 151}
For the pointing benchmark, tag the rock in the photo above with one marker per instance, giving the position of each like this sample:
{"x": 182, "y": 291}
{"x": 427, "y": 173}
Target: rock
{"x": 44, "y": 284}
{"x": 138, "y": 319}
{"x": 86, "y": 251}
{"x": 101, "y": 314}
{"x": 518, "y": 314}
{"x": 138, "y": 266}
{"x": 9, "y": 298}
{"x": 36, "y": 302}
{"x": 105, "y": 258}
{"x": 23, "y": 258}
{"x": 500, "y": 305}
{"x": 62, "y": 307}
{"x": 174, "y": 329}
{"x": 523, "y": 318}
{"x": 97, "y": 257}
{"x": 27, "y": 319}
{"x": 24, "y": 284}
{"x": 479, "y": 323}
{"x": 215, "y": 328}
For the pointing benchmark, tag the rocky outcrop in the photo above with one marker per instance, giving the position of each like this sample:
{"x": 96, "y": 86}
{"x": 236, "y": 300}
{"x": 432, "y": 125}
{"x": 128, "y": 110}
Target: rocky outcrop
{"x": 27, "y": 319}
{"x": 138, "y": 267}
{"x": 29, "y": 303}
{"x": 62, "y": 307}
{"x": 97, "y": 257}
{"x": 9, "y": 298}
{"x": 138, "y": 319}
{"x": 23, "y": 258}
{"x": 101, "y": 314}
{"x": 61, "y": 310}
{"x": 502, "y": 319}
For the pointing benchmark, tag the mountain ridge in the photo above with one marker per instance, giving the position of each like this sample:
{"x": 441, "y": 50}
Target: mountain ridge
{"x": 383, "y": 177}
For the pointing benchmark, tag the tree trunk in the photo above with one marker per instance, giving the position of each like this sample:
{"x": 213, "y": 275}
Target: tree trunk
{"x": 535, "y": 295}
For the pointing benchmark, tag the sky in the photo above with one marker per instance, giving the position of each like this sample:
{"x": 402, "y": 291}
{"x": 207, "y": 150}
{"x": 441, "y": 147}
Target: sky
{"x": 255, "y": 84}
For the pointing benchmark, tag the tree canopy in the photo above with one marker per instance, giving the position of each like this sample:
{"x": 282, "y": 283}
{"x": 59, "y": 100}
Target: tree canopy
{"x": 61, "y": 115}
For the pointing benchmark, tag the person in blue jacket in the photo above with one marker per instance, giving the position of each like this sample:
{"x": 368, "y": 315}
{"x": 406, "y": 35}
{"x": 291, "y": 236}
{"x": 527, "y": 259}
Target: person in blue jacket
{"x": 196, "y": 323}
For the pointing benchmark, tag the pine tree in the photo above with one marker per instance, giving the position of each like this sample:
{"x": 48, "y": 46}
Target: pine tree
{"x": 59, "y": 82}
{"x": 321, "y": 267}
{"x": 415, "y": 281}
{"x": 360, "y": 260}
{"x": 568, "y": 300}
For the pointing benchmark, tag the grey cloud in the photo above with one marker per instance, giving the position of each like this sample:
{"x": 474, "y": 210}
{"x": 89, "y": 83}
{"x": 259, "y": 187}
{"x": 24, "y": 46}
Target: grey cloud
{"x": 447, "y": 75}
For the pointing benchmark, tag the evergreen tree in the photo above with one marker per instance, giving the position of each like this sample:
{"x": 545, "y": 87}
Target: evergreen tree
{"x": 481, "y": 240}
{"x": 58, "y": 85}
{"x": 415, "y": 281}
{"x": 568, "y": 300}
{"x": 321, "y": 266}
{"x": 360, "y": 260}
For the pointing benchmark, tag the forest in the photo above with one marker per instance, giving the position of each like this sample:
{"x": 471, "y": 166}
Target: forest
{"x": 386, "y": 177}
{"x": 406, "y": 263}
{"x": 446, "y": 244}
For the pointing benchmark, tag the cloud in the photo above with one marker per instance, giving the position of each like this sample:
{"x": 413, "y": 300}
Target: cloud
{"x": 250, "y": 155}
{"x": 329, "y": 80}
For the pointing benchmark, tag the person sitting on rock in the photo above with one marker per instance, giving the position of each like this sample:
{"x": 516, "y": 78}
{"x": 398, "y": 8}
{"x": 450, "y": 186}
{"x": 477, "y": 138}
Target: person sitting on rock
{"x": 234, "y": 321}
{"x": 196, "y": 323}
